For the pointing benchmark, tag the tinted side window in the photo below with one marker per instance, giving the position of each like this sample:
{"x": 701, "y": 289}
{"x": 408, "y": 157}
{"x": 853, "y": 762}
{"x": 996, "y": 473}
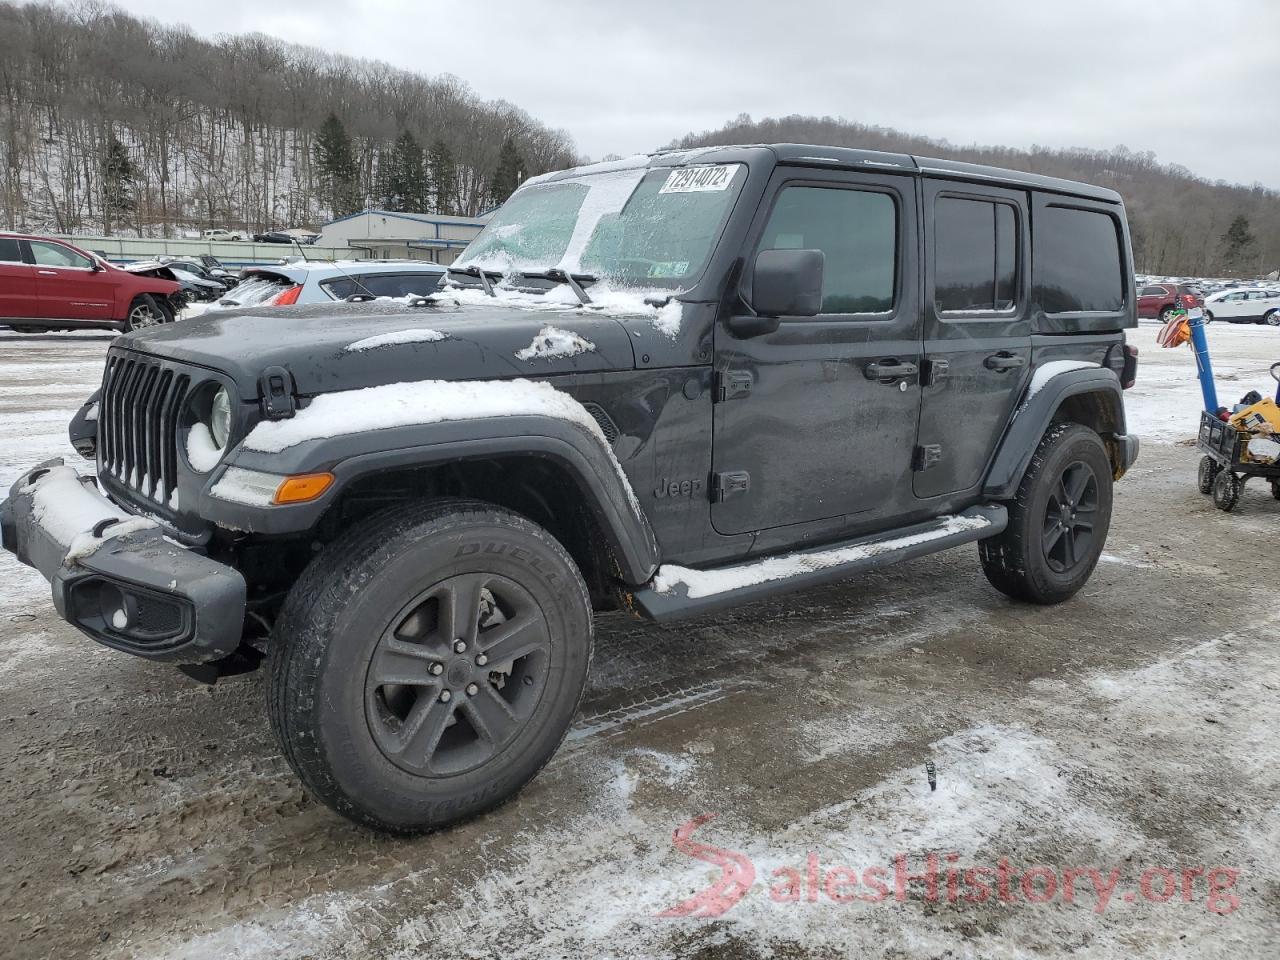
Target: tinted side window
{"x": 858, "y": 232}
{"x": 975, "y": 255}
{"x": 1152, "y": 292}
{"x": 56, "y": 255}
{"x": 1077, "y": 261}
{"x": 9, "y": 252}
{"x": 400, "y": 284}
{"x": 340, "y": 289}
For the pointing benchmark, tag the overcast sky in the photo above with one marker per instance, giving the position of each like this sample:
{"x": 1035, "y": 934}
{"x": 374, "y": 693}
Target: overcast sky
{"x": 1194, "y": 81}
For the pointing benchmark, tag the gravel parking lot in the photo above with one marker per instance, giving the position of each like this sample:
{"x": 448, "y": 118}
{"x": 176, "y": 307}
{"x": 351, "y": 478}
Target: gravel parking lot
{"x": 1106, "y": 769}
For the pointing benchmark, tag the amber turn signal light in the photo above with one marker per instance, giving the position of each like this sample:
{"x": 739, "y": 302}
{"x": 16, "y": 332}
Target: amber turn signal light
{"x": 300, "y": 489}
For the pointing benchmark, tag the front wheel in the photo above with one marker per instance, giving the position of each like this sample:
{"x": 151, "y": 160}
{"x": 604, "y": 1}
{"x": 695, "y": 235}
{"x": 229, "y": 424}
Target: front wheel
{"x": 147, "y": 311}
{"x": 1272, "y": 318}
{"x": 1058, "y": 521}
{"x": 1226, "y": 491}
{"x": 428, "y": 663}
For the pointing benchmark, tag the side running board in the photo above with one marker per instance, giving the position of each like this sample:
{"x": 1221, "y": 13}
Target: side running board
{"x": 677, "y": 592}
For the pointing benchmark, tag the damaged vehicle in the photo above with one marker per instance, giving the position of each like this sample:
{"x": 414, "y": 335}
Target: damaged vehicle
{"x": 50, "y": 284}
{"x": 674, "y": 384}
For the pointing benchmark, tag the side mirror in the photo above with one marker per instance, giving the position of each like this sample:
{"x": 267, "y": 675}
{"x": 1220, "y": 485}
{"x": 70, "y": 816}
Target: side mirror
{"x": 788, "y": 283}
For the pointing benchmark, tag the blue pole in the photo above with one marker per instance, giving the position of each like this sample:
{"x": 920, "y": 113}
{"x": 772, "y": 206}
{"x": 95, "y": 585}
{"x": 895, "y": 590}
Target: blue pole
{"x": 1200, "y": 344}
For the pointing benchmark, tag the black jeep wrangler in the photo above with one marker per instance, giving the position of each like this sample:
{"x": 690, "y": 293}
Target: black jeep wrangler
{"x": 677, "y": 383}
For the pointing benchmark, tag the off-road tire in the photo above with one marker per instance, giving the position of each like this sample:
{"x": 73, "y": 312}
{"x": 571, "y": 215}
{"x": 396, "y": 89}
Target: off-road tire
{"x": 1226, "y": 491}
{"x": 154, "y": 305}
{"x": 1015, "y": 561}
{"x": 1206, "y": 473}
{"x": 345, "y": 605}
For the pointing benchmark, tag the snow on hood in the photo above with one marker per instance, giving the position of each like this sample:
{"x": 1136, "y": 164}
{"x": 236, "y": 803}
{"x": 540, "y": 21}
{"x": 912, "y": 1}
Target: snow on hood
{"x": 665, "y": 318}
{"x": 552, "y": 342}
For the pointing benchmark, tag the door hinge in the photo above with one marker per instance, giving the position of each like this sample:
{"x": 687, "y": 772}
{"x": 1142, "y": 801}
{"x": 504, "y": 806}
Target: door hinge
{"x": 934, "y": 371}
{"x": 729, "y": 484}
{"x": 732, "y": 384}
{"x": 275, "y": 393}
{"x": 926, "y": 456}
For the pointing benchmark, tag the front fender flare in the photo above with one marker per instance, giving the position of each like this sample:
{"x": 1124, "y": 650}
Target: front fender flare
{"x": 1033, "y": 418}
{"x": 583, "y": 455}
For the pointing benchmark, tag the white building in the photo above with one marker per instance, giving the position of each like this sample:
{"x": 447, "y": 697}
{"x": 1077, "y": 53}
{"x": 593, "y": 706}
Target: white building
{"x": 384, "y": 234}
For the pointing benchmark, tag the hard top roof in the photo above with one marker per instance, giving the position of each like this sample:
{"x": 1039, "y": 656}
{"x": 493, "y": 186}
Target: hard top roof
{"x": 844, "y": 158}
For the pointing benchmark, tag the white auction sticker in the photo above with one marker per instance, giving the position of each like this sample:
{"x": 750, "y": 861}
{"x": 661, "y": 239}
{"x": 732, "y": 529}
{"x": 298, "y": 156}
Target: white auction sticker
{"x": 700, "y": 179}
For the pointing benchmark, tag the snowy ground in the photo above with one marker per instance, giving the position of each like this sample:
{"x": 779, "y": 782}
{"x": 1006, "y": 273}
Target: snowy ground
{"x": 1130, "y": 733}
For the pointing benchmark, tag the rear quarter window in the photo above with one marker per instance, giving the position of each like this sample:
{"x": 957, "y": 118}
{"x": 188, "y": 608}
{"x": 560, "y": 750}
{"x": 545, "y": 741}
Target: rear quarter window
{"x": 1078, "y": 266}
{"x": 9, "y": 252}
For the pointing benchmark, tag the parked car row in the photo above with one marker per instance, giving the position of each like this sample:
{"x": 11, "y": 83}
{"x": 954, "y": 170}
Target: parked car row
{"x": 50, "y": 284}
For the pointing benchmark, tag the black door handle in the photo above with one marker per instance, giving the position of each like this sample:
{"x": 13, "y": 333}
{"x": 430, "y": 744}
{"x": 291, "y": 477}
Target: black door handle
{"x": 1004, "y": 361}
{"x": 891, "y": 370}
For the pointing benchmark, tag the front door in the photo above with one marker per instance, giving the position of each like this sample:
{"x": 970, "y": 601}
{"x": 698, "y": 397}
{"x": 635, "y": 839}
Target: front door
{"x": 17, "y": 282}
{"x": 67, "y": 286}
{"x": 816, "y": 421}
{"x": 977, "y": 349}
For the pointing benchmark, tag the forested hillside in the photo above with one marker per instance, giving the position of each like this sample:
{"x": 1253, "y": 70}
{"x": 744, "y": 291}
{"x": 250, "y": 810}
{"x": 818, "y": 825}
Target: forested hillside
{"x": 1181, "y": 225}
{"x": 112, "y": 123}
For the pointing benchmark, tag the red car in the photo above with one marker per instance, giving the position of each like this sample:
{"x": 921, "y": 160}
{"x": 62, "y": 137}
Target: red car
{"x": 1157, "y": 299}
{"x": 48, "y": 284}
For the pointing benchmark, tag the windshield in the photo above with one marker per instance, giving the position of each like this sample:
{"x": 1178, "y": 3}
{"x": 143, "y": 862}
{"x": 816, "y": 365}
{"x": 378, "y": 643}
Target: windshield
{"x": 632, "y": 228}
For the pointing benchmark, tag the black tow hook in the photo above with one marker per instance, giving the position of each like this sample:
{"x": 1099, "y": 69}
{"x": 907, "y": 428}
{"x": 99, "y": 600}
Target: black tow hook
{"x": 244, "y": 659}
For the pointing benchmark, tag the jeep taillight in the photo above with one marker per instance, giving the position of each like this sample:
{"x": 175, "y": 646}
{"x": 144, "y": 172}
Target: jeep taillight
{"x": 286, "y": 296}
{"x": 1129, "y": 373}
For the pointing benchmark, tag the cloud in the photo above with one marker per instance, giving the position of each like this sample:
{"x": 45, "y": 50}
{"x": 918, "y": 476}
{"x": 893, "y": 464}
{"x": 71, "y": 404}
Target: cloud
{"x": 1194, "y": 83}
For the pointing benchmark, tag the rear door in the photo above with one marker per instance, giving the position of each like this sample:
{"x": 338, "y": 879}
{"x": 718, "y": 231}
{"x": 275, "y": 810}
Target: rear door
{"x": 977, "y": 330}
{"x": 67, "y": 285}
{"x": 815, "y": 421}
{"x": 17, "y": 282}
{"x": 1233, "y": 306}
{"x": 1151, "y": 298}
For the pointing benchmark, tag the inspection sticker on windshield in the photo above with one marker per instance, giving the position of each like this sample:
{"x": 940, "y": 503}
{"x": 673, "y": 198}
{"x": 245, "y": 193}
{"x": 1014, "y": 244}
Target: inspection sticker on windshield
{"x": 700, "y": 179}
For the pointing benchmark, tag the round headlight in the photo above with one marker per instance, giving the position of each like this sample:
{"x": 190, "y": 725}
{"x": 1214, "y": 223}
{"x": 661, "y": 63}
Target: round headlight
{"x": 220, "y": 418}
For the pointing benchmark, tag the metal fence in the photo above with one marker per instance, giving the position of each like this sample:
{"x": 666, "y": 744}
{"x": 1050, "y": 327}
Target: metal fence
{"x": 232, "y": 254}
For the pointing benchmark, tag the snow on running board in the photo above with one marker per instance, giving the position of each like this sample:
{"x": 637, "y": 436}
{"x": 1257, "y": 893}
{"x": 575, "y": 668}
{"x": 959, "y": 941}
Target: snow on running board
{"x": 705, "y": 583}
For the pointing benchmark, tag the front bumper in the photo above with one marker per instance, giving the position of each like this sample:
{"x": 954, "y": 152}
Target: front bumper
{"x": 116, "y": 577}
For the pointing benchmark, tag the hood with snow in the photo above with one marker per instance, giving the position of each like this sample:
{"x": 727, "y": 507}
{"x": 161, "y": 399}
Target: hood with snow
{"x": 346, "y": 346}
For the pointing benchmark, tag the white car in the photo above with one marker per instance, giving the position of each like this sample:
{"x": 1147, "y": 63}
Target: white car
{"x": 1244, "y": 306}
{"x": 220, "y": 234}
{"x": 322, "y": 281}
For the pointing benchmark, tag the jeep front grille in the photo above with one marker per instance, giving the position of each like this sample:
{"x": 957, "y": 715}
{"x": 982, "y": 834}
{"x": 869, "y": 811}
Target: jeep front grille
{"x": 138, "y": 425}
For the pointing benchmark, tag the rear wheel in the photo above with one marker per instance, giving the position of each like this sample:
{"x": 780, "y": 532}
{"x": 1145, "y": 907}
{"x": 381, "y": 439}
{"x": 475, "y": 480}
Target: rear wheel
{"x": 1208, "y": 316}
{"x": 1165, "y": 314}
{"x": 1058, "y": 521}
{"x": 428, "y": 664}
{"x": 1206, "y": 474}
{"x": 1226, "y": 491}
{"x": 147, "y": 311}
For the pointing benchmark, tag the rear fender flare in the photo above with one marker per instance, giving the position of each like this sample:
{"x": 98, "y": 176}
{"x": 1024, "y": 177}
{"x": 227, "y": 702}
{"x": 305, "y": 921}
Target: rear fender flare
{"x": 1035, "y": 415}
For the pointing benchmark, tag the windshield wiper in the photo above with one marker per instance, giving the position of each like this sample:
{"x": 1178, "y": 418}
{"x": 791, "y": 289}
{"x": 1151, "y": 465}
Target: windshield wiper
{"x": 484, "y": 276}
{"x": 556, "y": 275}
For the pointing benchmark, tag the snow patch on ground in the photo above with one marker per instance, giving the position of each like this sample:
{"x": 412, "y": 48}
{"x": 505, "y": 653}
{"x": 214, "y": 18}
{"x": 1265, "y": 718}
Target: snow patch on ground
{"x": 703, "y": 583}
{"x": 551, "y": 343}
{"x": 395, "y": 338}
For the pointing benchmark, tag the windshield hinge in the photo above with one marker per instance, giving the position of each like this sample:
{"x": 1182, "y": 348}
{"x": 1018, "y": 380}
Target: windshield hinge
{"x": 732, "y": 384}
{"x": 275, "y": 393}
